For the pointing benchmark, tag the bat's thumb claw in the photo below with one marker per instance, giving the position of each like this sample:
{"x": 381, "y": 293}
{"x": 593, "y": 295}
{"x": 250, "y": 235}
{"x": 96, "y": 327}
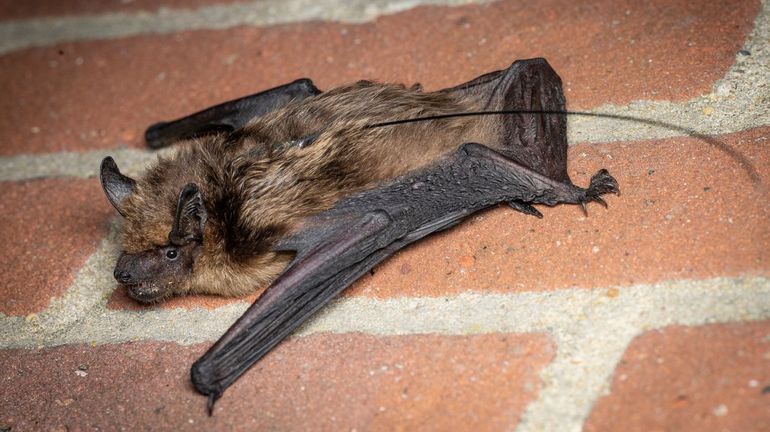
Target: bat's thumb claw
{"x": 210, "y": 403}
{"x": 584, "y": 208}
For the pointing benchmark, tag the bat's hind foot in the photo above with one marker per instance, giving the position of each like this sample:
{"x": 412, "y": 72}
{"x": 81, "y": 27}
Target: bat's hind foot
{"x": 601, "y": 183}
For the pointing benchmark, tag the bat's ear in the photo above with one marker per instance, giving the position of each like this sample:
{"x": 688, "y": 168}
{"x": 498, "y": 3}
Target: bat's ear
{"x": 116, "y": 186}
{"x": 190, "y": 216}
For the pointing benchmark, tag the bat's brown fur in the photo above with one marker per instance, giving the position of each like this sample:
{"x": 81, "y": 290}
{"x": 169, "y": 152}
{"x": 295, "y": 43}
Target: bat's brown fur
{"x": 257, "y": 184}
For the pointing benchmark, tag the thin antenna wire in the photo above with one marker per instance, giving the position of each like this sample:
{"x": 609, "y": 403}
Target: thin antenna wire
{"x": 541, "y": 112}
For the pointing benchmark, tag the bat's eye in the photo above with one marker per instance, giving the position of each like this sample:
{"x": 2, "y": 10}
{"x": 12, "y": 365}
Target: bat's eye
{"x": 172, "y": 254}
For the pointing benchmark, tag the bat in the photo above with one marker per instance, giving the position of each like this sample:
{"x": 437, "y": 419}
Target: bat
{"x": 309, "y": 190}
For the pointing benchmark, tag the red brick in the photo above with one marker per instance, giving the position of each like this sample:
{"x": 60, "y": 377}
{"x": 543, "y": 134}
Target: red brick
{"x": 14, "y": 9}
{"x": 101, "y": 94}
{"x": 322, "y": 382}
{"x": 690, "y": 217}
{"x": 49, "y": 228}
{"x": 714, "y": 377}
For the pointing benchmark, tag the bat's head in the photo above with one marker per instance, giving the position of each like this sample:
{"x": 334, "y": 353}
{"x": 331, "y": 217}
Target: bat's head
{"x": 162, "y": 236}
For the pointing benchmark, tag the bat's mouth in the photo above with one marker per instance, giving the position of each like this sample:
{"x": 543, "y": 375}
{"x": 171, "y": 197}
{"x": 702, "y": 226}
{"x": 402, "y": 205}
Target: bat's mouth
{"x": 144, "y": 292}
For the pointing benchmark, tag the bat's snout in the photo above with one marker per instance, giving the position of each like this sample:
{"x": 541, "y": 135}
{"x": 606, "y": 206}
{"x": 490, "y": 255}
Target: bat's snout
{"x": 122, "y": 276}
{"x": 131, "y": 271}
{"x": 126, "y": 270}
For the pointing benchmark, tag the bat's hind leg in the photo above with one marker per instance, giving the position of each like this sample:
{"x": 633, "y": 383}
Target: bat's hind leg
{"x": 496, "y": 174}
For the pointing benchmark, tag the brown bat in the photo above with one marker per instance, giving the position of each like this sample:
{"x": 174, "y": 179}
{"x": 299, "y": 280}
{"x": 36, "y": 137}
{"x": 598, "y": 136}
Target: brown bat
{"x": 320, "y": 187}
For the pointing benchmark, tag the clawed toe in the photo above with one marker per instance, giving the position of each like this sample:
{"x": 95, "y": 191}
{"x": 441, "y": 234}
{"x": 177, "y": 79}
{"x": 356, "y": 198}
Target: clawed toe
{"x": 525, "y": 208}
{"x": 601, "y": 183}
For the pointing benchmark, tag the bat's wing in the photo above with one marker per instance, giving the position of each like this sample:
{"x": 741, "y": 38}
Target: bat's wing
{"x": 336, "y": 247}
{"x": 230, "y": 115}
{"x": 537, "y": 139}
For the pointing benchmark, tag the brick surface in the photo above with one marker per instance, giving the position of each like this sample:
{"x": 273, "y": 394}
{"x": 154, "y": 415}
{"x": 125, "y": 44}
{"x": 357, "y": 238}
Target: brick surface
{"x": 688, "y": 210}
{"x": 102, "y": 94}
{"x": 714, "y": 377}
{"x": 322, "y": 382}
{"x": 14, "y": 9}
{"x": 49, "y": 228}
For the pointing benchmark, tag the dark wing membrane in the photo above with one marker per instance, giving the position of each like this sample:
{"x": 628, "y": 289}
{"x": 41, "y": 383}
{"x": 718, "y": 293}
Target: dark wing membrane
{"x": 537, "y": 141}
{"x": 228, "y": 116}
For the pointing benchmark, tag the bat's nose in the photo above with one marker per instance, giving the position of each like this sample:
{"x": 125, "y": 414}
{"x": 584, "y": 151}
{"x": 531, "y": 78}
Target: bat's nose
{"x": 123, "y": 277}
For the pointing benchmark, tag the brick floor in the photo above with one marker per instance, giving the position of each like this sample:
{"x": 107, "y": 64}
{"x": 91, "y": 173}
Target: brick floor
{"x": 323, "y": 382}
{"x": 590, "y": 343}
{"x": 714, "y": 377}
{"x": 49, "y": 228}
{"x": 99, "y": 94}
